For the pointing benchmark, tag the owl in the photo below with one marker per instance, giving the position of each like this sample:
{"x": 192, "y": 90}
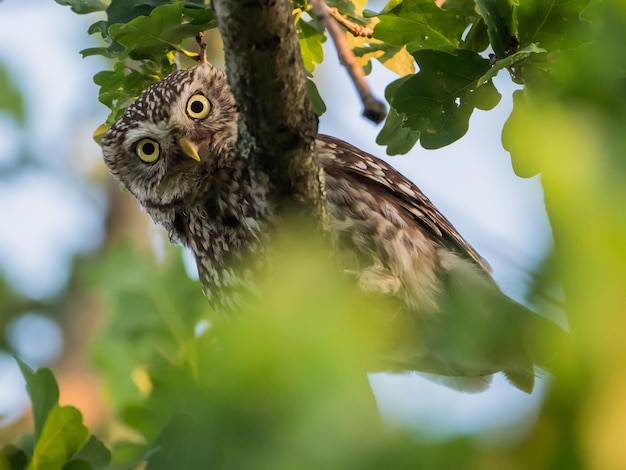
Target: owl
{"x": 174, "y": 151}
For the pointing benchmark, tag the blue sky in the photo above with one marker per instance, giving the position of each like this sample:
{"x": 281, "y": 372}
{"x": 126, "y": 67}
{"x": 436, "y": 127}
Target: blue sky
{"x": 54, "y": 213}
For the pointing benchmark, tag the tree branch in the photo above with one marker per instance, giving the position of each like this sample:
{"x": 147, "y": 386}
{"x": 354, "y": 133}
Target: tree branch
{"x": 277, "y": 124}
{"x": 202, "y": 45}
{"x": 373, "y": 109}
{"x": 354, "y": 28}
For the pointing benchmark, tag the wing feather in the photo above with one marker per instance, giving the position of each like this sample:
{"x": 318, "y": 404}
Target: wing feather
{"x": 337, "y": 154}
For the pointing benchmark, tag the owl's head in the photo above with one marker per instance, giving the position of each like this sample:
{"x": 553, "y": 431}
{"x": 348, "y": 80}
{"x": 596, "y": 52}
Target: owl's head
{"x": 179, "y": 131}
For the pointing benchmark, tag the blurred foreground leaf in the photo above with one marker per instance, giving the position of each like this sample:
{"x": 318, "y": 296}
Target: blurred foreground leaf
{"x": 569, "y": 126}
{"x": 187, "y": 441}
{"x": 11, "y": 99}
{"x": 153, "y": 310}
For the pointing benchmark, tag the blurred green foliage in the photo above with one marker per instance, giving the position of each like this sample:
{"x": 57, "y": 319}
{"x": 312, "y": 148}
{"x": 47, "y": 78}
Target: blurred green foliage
{"x": 152, "y": 315}
{"x": 567, "y": 124}
{"x": 11, "y": 100}
{"x": 281, "y": 386}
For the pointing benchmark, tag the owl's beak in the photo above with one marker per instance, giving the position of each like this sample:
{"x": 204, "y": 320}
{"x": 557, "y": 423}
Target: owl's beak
{"x": 189, "y": 148}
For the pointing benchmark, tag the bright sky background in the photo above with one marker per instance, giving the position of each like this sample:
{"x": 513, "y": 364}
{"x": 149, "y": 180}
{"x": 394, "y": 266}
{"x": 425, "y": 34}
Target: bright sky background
{"x": 47, "y": 215}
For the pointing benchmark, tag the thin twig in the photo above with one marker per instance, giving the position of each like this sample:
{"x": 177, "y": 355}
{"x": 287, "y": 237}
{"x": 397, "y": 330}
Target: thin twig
{"x": 202, "y": 45}
{"x": 374, "y": 109}
{"x": 357, "y": 30}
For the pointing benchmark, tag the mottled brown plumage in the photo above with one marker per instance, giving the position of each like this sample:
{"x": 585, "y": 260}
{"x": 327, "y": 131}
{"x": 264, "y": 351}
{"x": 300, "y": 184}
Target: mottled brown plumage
{"x": 174, "y": 150}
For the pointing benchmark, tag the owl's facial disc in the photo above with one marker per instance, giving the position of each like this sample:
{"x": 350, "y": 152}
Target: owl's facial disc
{"x": 170, "y": 140}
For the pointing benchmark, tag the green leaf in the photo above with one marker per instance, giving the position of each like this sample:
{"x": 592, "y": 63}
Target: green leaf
{"x": 316, "y": 99}
{"x": 395, "y": 58}
{"x": 63, "y": 434}
{"x": 85, "y": 6}
{"x": 121, "y": 84}
{"x": 165, "y": 29}
{"x": 100, "y": 132}
{"x": 111, "y": 51}
{"x": 551, "y": 24}
{"x": 391, "y": 4}
{"x": 123, "y": 11}
{"x": 59, "y": 431}
{"x": 350, "y": 8}
{"x": 421, "y": 24}
{"x": 466, "y": 7}
{"x": 311, "y": 40}
{"x": 510, "y": 61}
{"x": 477, "y": 38}
{"x": 498, "y": 16}
{"x": 11, "y": 99}
{"x": 95, "y": 454}
{"x": 44, "y": 394}
{"x": 398, "y": 139}
{"x": 439, "y": 100}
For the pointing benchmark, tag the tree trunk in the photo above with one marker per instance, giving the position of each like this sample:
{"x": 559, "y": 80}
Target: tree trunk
{"x": 277, "y": 124}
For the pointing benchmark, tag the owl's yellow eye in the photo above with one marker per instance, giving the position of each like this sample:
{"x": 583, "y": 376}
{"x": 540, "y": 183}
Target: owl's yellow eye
{"x": 148, "y": 150}
{"x": 198, "y": 107}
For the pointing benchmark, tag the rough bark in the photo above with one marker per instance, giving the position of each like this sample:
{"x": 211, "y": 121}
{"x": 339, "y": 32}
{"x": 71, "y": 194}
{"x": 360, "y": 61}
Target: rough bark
{"x": 277, "y": 124}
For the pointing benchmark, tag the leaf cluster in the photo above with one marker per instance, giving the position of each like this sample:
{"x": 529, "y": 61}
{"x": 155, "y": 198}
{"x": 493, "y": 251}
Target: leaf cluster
{"x": 142, "y": 36}
{"x": 60, "y": 439}
{"x": 459, "y": 48}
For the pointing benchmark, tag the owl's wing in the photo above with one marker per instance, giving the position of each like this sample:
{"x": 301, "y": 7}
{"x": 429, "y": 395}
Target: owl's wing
{"x": 372, "y": 170}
